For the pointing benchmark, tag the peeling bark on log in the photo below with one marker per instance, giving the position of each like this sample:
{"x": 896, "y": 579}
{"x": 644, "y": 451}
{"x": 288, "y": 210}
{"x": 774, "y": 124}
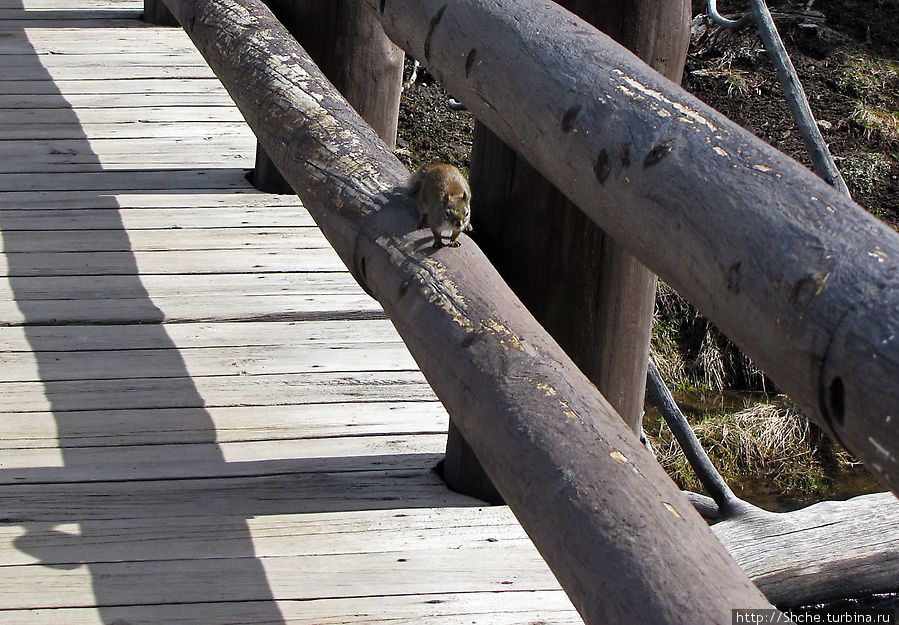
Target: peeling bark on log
{"x": 798, "y": 276}
{"x": 831, "y": 550}
{"x": 622, "y": 539}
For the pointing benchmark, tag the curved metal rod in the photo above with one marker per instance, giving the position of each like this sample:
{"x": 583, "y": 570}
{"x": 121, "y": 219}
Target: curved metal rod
{"x": 823, "y": 161}
{"x": 714, "y": 484}
{"x": 723, "y": 21}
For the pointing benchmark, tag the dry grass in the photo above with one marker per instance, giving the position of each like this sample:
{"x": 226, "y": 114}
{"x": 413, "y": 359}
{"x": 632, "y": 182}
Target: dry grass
{"x": 768, "y": 440}
{"x": 691, "y": 352}
{"x": 877, "y": 122}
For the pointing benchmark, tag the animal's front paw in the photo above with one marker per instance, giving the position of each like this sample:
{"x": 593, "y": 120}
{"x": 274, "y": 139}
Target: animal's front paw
{"x": 454, "y": 244}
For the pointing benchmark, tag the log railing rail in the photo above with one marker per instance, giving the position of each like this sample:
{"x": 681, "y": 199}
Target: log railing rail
{"x": 800, "y": 277}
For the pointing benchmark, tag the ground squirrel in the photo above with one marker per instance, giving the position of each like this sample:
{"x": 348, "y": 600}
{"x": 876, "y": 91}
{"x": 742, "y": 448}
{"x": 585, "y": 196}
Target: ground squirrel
{"x": 443, "y": 201}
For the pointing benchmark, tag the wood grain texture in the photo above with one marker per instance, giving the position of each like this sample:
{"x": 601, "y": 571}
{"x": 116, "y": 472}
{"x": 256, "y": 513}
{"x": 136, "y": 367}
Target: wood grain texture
{"x": 827, "y": 551}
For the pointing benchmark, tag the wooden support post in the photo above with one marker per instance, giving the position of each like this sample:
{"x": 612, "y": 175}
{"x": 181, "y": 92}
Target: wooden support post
{"x": 156, "y": 12}
{"x": 592, "y": 296}
{"x": 345, "y": 39}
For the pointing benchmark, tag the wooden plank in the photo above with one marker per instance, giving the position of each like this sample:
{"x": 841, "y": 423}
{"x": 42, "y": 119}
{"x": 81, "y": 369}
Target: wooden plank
{"x": 283, "y": 493}
{"x": 221, "y": 460}
{"x": 72, "y": 130}
{"x": 323, "y": 534}
{"x": 206, "y": 361}
{"x": 86, "y": 66}
{"x": 225, "y": 260}
{"x": 336, "y": 334}
{"x": 45, "y": 242}
{"x": 441, "y": 609}
{"x": 151, "y": 153}
{"x": 261, "y": 218}
{"x": 108, "y": 101}
{"x": 42, "y": 5}
{"x": 195, "y": 392}
{"x": 14, "y": 19}
{"x": 188, "y": 307}
{"x": 236, "y": 579}
{"x": 62, "y": 116}
{"x": 168, "y": 180}
{"x": 137, "y": 40}
{"x": 27, "y": 290}
{"x": 222, "y": 423}
{"x": 497, "y": 608}
{"x": 180, "y": 201}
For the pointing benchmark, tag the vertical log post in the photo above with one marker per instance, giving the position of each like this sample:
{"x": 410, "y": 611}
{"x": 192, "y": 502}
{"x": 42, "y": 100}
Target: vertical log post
{"x": 345, "y": 39}
{"x": 156, "y": 12}
{"x": 594, "y": 298}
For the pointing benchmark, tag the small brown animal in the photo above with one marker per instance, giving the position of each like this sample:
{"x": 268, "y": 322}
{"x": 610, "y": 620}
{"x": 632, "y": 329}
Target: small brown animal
{"x": 444, "y": 201}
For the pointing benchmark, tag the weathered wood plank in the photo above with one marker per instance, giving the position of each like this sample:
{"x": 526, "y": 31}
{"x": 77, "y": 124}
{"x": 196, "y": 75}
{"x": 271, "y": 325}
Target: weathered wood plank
{"x": 109, "y": 236}
{"x": 220, "y": 423}
{"x": 126, "y": 287}
{"x": 336, "y": 334}
{"x": 110, "y": 101}
{"x": 131, "y": 130}
{"x": 15, "y": 19}
{"x": 188, "y": 307}
{"x": 180, "y": 201}
{"x": 50, "y": 366}
{"x": 187, "y": 581}
{"x": 61, "y": 116}
{"x": 334, "y": 533}
{"x": 221, "y": 460}
{"x": 149, "y": 153}
{"x": 261, "y": 218}
{"x": 442, "y": 609}
{"x": 282, "y": 493}
{"x": 94, "y": 5}
{"x": 196, "y": 392}
{"x": 43, "y": 42}
{"x": 224, "y": 260}
{"x": 170, "y": 180}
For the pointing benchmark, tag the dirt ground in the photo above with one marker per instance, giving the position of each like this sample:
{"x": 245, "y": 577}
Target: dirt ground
{"x": 846, "y": 54}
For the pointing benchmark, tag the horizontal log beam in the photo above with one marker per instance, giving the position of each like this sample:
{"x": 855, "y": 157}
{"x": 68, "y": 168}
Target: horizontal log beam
{"x": 621, "y": 538}
{"x": 798, "y": 276}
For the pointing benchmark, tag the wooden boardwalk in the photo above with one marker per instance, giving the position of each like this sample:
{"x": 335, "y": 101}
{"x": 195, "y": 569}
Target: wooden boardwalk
{"x": 203, "y": 419}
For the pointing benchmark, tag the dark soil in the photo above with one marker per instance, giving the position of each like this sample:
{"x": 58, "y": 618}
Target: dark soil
{"x": 846, "y": 54}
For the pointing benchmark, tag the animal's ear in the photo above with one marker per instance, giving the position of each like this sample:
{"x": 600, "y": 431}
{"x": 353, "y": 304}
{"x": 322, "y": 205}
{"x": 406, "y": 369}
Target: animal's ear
{"x": 465, "y": 196}
{"x": 444, "y": 197}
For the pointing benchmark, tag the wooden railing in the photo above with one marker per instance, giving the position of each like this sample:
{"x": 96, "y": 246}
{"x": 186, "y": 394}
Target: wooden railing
{"x": 798, "y": 276}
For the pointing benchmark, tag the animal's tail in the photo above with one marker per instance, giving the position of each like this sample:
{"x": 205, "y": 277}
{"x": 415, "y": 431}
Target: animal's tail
{"x": 417, "y": 178}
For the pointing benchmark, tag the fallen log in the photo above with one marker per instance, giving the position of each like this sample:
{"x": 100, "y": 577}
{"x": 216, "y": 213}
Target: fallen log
{"x": 798, "y": 276}
{"x": 831, "y": 550}
{"x": 623, "y": 541}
